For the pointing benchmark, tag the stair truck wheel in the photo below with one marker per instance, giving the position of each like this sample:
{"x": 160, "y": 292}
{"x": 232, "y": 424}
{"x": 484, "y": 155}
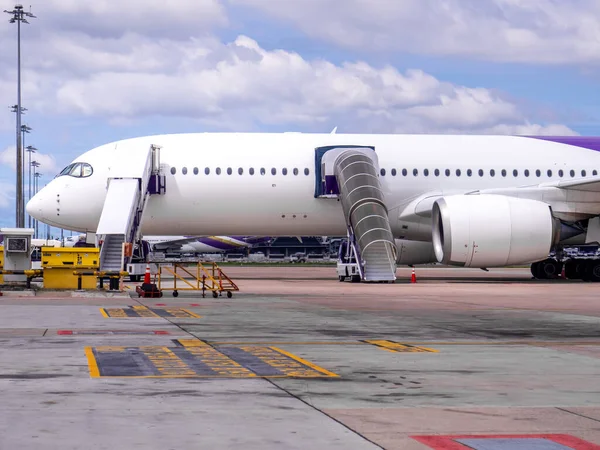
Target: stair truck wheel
{"x": 175, "y": 294}
{"x": 229, "y": 294}
{"x": 215, "y": 294}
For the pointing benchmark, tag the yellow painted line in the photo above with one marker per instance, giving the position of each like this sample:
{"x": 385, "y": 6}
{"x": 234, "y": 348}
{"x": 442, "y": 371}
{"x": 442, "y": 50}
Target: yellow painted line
{"x": 92, "y": 364}
{"x": 285, "y": 343}
{"x": 104, "y": 313}
{"x": 400, "y": 348}
{"x": 192, "y": 343}
{"x": 195, "y": 316}
{"x": 305, "y": 362}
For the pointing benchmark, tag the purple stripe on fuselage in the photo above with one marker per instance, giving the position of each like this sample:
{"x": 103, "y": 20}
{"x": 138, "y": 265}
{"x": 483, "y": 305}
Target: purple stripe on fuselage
{"x": 217, "y": 244}
{"x": 589, "y": 142}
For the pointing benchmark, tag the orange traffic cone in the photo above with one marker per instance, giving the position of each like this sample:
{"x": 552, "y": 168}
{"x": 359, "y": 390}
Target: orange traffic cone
{"x": 413, "y": 276}
{"x": 147, "y": 275}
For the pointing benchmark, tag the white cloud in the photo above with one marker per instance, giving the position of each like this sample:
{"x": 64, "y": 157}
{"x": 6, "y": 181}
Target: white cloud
{"x": 7, "y": 194}
{"x": 110, "y": 18}
{"x": 245, "y": 86}
{"x": 541, "y": 31}
{"x": 8, "y": 158}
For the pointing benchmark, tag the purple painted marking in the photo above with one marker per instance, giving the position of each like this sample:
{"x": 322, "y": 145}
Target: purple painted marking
{"x": 217, "y": 244}
{"x": 589, "y": 142}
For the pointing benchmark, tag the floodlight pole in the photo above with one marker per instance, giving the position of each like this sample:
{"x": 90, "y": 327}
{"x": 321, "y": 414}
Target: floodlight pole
{"x": 19, "y": 16}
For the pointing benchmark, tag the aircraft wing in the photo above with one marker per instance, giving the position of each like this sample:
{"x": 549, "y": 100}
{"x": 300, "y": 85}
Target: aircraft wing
{"x": 589, "y": 184}
{"x": 174, "y": 244}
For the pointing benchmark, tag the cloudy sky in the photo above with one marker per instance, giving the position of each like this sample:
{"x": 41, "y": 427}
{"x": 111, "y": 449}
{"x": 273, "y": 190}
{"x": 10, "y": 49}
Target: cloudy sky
{"x": 94, "y": 72}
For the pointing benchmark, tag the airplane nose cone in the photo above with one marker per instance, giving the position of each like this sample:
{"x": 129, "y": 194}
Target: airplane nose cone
{"x": 34, "y": 207}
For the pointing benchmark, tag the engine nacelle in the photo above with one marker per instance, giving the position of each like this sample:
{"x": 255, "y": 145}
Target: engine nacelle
{"x": 414, "y": 252}
{"x": 492, "y": 230}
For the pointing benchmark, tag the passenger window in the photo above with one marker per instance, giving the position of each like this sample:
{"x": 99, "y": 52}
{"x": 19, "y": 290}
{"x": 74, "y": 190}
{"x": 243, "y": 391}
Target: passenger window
{"x": 583, "y": 173}
{"x": 306, "y": 171}
{"x": 394, "y": 172}
{"x": 503, "y": 172}
{"x": 404, "y": 172}
{"x": 229, "y": 171}
{"x": 561, "y": 173}
{"x": 515, "y": 173}
{"x": 447, "y": 172}
{"x": 184, "y": 170}
{"x": 549, "y": 173}
{"x": 426, "y": 172}
{"x": 273, "y": 171}
{"x": 240, "y": 171}
{"x": 295, "y": 171}
{"x": 262, "y": 171}
{"x": 572, "y": 173}
{"x": 526, "y": 172}
{"x": 480, "y": 172}
{"x": 492, "y": 173}
{"x": 436, "y": 172}
{"x": 415, "y": 172}
{"x": 173, "y": 170}
{"x": 595, "y": 172}
{"x": 469, "y": 172}
{"x": 284, "y": 171}
{"x": 195, "y": 171}
{"x": 218, "y": 171}
{"x": 538, "y": 173}
{"x": 251, "y": 171}
{"x": 458, "y": 172}
{"x": 382, "y": 172}
{"x": 206, "y": 171}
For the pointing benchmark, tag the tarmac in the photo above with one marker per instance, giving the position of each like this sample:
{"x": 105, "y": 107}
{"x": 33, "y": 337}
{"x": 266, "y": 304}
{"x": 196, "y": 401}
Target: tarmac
{"x": 463, "y": 359}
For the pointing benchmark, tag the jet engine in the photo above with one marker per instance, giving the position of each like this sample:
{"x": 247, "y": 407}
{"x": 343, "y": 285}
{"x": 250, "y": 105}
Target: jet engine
{"x": 492, "y": 230}
{"x": 414, "y": 252}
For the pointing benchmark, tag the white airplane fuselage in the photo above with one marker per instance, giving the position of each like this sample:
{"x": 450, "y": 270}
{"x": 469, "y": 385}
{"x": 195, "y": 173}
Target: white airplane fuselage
{"x": 278, "y": 204}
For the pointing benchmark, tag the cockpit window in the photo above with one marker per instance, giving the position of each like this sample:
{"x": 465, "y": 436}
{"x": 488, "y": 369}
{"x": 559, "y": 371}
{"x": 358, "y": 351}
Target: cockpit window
{"x": 77, "y": 170}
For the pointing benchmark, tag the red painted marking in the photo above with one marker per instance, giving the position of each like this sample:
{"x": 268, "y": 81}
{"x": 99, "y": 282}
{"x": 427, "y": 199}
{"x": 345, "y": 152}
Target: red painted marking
{"x": 161, "y": 332}
{"x": 448, "y": 442}
{"x": 194, "y": 304}
{"x": 161, "y": 304}
{"x": 64, "y": 332}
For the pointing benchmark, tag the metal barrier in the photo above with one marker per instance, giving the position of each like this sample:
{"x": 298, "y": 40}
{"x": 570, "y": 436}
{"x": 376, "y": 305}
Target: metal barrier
{"x": 196, "y": 277}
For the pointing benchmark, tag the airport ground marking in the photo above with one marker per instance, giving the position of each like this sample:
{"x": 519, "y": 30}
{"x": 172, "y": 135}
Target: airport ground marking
{"x": 459, "y": 442}
{"x": 397, "y": 347}
{"x": 193, "y": 358}
{"x": 92, "y": 364}
{"x": 145, "y": 312}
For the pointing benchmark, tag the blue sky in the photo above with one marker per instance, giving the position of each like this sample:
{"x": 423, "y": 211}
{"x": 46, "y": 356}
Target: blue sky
{"x": 94, "y": 72}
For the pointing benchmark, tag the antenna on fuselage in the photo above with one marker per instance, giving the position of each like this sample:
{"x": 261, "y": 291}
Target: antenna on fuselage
{"x": 333, "y": 131}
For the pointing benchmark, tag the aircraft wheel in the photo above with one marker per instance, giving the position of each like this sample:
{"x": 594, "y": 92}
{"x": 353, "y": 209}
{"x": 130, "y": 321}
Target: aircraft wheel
{"x": 535, "y": 270}
{"x": 549, "y": 269}
{"x": 574, "y": 269}
{"x": 591, "y": 271}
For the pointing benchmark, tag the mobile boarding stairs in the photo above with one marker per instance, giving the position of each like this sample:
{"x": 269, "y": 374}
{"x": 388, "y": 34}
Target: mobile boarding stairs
{"x": 350, "y": 174}
{"x": 126, "y": 197}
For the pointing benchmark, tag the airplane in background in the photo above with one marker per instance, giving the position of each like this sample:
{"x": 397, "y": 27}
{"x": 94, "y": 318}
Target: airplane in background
{"x": 468, "y": 201}
{"x": 188, "y": 244}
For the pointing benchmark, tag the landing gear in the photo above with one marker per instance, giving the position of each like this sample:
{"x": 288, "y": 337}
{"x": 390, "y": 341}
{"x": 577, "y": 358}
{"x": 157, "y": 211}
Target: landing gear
{"x": 548, "y": 269}
{"x": 575, "y": 269}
